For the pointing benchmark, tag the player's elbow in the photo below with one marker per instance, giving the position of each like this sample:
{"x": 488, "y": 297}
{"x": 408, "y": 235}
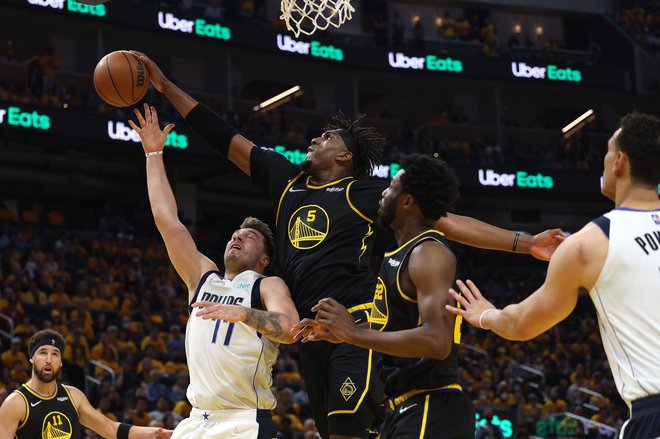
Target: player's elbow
{"x": 441, "y": 351}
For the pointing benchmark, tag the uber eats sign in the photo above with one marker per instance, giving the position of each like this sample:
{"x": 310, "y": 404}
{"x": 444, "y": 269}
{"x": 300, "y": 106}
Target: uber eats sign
{"x": 14, "y": 116}
{"x": 518, "y": 179}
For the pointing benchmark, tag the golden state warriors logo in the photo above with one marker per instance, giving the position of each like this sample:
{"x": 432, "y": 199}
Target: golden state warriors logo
{"x": 347, "y": 389}
{"x": 308, "y": 227}
{"x": 379, "y": 310}
{"x": 56, "y": 426}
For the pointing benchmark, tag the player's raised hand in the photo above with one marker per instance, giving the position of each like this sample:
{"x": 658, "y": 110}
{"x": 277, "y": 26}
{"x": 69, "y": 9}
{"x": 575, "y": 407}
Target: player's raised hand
{"x": 545, "y": 243}
{"x": 334, "y": 317}
{"x": 228, "y": 313}
{"x": 156, "y": 75}
{"x": 473, "y": 305}
{"x": 153, "y": 138}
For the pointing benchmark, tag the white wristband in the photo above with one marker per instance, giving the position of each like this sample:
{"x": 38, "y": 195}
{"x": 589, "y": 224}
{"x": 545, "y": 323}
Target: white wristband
{"x": 149, "y": 154}
{"x": 481, "y": 317}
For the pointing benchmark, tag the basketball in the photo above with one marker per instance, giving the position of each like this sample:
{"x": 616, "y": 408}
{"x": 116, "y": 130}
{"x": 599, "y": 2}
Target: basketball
{"x": 121, "y": 79}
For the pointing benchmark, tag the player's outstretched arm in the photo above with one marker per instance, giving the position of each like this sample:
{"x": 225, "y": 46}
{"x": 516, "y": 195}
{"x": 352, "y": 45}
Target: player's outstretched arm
{"x": 187, "y": 260}
{"x": 432, "y": 339}
{"x": 475, "y": 233}
{"x": 274, "y": 323}
{"x": 91, "y": 418}
{"x": 574, "y": 267}
{"x": 208, "y": 124}
{"x": 12, "y": 413}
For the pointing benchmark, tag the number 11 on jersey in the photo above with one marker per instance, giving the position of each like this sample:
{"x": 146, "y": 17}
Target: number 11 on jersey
{"x": 230, "y": 329}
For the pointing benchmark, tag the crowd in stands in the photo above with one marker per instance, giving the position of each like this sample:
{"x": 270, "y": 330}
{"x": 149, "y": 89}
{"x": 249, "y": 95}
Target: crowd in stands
{"x": 120, "y": 304}
{"x": 641, "y": 18}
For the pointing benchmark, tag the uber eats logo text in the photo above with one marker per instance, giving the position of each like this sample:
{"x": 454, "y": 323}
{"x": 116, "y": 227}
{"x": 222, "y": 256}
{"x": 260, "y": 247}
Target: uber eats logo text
{"x": 123, "y": 132}
{"x": 551, "y": 72}
{"x": 315, "y": 49}
{"x": 297, "y": 157}
{"x": 429, "y": 62}
{"x": 199, "y": 26}
{"x": 521, "y": 179}
{"x": 72, "y": 6}
{"x": 15, "y": 117}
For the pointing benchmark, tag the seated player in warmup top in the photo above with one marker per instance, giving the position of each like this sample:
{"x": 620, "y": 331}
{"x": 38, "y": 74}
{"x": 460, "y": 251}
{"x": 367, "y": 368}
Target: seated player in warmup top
{"x": 44, "y": 408}
{"x": 408, "y": 324}
{"x": 232, "y": 339}
{"x": 616, "y": 260}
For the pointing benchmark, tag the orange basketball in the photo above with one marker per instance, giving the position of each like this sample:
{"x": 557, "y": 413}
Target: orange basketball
{"x": 121, "y": 79}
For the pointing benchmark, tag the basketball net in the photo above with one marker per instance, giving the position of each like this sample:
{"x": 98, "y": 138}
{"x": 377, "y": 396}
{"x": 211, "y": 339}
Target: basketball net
{"x": 306, "y": 16}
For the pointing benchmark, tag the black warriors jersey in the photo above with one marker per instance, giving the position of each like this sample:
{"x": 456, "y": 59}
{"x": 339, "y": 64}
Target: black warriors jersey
{"x": 394, "y": 310}
{"x": 324, "y": 233}
{"x": 55, "y": 417}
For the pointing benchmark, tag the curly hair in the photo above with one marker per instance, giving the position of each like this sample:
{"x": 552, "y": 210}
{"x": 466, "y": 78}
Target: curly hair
{"x": 251, "y": 222}
{"x": 640, "y": 140}
{"x": 431, "y": 182}
{"x": 368, "y": 143}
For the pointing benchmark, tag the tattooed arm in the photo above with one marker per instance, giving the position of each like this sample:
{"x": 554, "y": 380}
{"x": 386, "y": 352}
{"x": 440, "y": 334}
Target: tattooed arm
{"x": 275, "y": 323}
{"x": 280, "y": 315}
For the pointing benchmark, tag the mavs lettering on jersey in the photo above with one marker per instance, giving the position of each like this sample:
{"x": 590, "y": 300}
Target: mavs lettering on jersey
{"x": 224, "y": 300}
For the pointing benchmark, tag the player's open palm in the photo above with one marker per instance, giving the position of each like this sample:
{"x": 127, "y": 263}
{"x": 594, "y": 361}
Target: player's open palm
{"x": 228, "y": 313}
{"x": 153, "y": 138}
{"x": 473, "y": 304}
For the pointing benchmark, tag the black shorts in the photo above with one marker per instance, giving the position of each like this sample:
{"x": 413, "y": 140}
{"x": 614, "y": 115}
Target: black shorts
{"x": 442, "y": 414}
{"x": 343, "y": 387}
{"x": 644, "y": 422}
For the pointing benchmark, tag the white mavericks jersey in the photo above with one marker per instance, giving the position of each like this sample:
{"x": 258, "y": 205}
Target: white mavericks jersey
{"x": 627, "y": 299}
{"x": 230, "y": 364}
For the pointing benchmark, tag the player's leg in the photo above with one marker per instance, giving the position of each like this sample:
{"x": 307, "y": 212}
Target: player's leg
{"x": 314, "y": 370}
{"x": 354, "y": 392}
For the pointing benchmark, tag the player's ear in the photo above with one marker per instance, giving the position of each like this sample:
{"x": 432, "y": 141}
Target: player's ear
{"x": 344, "y": 157}
{"x": 265, "y": 260}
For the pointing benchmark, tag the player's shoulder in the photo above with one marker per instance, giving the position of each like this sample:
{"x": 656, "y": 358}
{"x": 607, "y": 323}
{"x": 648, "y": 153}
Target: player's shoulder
{"x": 14, "y": 406}
{"x": 431, "y": 250}
{"x": 77, "y": 395}
{"x": 274, "y": 284}
{"x": 369, "y": 184}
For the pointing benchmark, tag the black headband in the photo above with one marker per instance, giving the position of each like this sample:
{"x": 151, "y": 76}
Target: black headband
{"x": 349, "y": 140}
{"x": 50, "y": 341}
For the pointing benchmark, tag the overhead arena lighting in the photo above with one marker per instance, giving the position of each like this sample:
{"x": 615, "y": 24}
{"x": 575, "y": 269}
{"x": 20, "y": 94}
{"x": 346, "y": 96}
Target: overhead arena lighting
{"x": 279, "y": 99}
{"x": 578, "y": 123}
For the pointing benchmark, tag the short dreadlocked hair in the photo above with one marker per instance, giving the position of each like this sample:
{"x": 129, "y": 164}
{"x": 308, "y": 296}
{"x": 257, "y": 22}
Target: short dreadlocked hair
{"x": 640, "y": 140}
{"x": 431, "y": 182}
{"x": 367, "y": 143}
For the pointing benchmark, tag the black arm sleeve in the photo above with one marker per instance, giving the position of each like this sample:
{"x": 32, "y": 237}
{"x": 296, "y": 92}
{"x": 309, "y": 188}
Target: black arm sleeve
{"x": 211, "y": 127}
